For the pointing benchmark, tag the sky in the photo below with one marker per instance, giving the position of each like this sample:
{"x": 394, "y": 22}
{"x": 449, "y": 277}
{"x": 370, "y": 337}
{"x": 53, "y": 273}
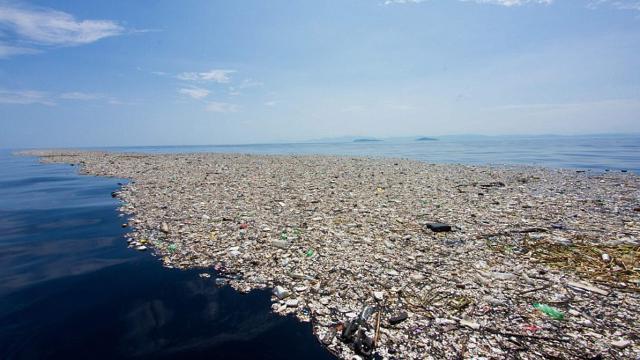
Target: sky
{"x": 164, "y": 72}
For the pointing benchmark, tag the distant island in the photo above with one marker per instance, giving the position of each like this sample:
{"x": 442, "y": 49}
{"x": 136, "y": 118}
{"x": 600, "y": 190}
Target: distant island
{"x": 424, "y": 138}
{"x": 366, "y": 140}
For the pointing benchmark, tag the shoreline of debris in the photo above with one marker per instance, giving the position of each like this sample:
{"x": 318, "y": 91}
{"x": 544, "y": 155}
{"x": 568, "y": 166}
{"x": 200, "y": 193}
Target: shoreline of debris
{"x": 398, "y": 258}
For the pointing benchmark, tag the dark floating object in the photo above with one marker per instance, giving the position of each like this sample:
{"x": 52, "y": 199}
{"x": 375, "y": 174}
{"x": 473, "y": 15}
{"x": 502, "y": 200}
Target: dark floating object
{"x": 366, "y": 140}
{"x": 363, "y": 344}
{"x": 623, "y": 170}
{"x": 438, "y": 227}
{"x": 493, "y": 184}
{"x": 398, "y": 318}
{"x": 350, "y": 329}
{"x": 426, "y": 138}
{"x": 114, "y": 194}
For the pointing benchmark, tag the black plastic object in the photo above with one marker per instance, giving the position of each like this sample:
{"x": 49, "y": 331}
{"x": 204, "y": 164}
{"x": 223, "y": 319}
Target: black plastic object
{"x": 398, "y": 318}
{"x": 363, "y": 344}
{"x": 438, "y": 227}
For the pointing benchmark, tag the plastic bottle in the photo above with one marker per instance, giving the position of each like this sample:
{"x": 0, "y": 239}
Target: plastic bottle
{"x": 550, "y": 311}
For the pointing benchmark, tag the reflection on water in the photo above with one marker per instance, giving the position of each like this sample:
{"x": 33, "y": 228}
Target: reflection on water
{"x": 133, "y": 310}
{"x": 69, "y": 287}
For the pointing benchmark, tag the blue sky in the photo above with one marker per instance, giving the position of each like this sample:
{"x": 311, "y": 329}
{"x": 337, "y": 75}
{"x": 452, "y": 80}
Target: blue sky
{"x": 100, "y": 73}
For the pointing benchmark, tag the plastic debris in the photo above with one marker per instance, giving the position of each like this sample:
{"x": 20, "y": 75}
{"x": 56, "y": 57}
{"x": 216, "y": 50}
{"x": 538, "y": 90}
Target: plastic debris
{"x": 549, "y": 311}
{"x": 438, "y": 227}
{"x": 280, "y": 292}
{"x": 621, "y": 344}
{"x": 587, "y": 287}
{"x": 528, "y": 239}
{"x": 398, "y": 318}
{"x": 471, "y": 324}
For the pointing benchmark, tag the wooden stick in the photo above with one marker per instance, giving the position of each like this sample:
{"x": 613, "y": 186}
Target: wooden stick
{"x": 498, "y": 332}
{"x": 375, "y": 338}
{"x": 534, "y": 289}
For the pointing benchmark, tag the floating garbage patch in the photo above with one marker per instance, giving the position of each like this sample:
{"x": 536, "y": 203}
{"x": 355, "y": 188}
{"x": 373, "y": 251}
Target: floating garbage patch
{"x": 392, "y": 258}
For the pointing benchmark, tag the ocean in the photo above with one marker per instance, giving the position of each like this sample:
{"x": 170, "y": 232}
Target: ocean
{"x": 70, "y": 287}
{"x": 599, "y": 153}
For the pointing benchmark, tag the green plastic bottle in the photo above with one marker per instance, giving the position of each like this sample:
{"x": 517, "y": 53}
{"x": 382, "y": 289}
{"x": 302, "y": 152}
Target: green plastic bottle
{"x": 550, "y": 311}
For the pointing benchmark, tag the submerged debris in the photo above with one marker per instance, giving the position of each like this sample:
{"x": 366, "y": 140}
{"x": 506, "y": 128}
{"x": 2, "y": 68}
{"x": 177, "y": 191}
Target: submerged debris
{"x": 342, "y": 242}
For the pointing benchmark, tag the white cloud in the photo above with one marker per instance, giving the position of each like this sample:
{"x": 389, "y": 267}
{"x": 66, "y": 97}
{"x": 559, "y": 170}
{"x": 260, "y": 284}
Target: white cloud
{"x": 29, "y": 97}
{"x": 222, "y": 107}
{"x": 221, "y": 76}
{"x": 195, "y": 92}
{"x": 249, "y": 83}
{"x": 81, "y": 96}
{"x": 34, "y": 27}
{"x": 25, "y": 97}
{"x": 84, "y": 96}
{"x": 270, "y": 103}
{"x": 245, "y": 84}
{"x": 7, "y": 50}
{"x": 113, "y": 101}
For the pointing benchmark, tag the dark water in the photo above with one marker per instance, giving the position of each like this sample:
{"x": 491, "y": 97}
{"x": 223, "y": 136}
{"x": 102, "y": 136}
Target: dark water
{"x": 69, "y": 287}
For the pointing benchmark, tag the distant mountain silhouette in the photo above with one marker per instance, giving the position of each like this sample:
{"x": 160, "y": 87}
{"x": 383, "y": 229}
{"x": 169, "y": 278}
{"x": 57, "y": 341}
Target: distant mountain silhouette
{"x": 366, "y": 140}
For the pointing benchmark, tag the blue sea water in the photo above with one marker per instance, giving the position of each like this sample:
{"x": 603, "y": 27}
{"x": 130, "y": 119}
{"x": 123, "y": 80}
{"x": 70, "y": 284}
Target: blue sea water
{"x": 601, "y": 152}
{"x": 70, "y": 288}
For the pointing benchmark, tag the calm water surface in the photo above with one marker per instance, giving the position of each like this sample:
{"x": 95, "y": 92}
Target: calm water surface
{"x": 70, "y": 288}
{"x": 613, "y": 152}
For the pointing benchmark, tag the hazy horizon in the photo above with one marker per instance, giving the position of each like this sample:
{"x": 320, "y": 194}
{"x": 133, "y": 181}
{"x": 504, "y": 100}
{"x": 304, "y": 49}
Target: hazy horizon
{"x": 345, "y": 139}
{"x": 83, "y": 74}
